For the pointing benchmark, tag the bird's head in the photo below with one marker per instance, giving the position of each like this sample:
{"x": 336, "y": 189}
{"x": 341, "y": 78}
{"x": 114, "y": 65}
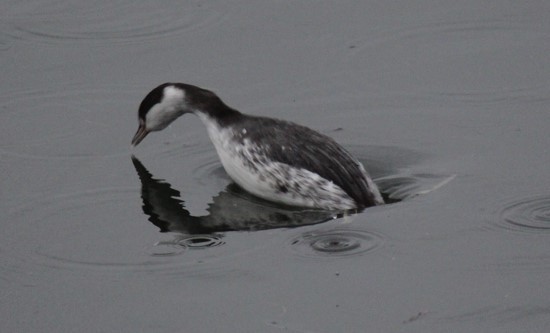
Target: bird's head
{"x": 167, "y": 102}
{"x": 159, "y": 108}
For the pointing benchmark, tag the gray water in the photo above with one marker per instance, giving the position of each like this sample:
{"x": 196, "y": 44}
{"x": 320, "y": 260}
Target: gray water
{"x": 446, "y": 103}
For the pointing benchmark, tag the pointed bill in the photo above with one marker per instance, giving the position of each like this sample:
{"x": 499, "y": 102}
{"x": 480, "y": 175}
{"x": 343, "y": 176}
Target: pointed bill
{"x": 140, "y": 134}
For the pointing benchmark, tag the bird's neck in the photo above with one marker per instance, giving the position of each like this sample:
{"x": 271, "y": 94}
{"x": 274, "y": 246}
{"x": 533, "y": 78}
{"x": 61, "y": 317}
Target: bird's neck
{"x": 222, "y": 115}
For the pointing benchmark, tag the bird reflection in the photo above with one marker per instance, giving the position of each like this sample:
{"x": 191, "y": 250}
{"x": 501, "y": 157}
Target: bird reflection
{"x": 231, "y": 210}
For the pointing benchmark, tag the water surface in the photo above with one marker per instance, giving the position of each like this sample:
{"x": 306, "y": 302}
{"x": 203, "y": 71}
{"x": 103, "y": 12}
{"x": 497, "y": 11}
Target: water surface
{"x": 446, "y": 104}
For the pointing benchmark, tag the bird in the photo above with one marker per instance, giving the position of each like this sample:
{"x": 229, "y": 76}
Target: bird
{"x": 276, "y": 160}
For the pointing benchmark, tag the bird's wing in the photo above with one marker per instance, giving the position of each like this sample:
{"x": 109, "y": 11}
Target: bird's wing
{"x": 301, "y": 147}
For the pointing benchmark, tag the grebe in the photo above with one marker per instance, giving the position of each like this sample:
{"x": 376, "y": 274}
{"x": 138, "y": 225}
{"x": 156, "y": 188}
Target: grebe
{"x": 273, "y": 159}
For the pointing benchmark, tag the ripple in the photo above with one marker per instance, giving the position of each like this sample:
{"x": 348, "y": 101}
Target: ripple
{"x": 446, "y": 31}
{"x": 457, "y": 42}
{"x": 76, "y": 229}
{"x": 503, "y": 314}
{"x": 336, "y": 243}
{"x": 206, "y": 163}
{"x": 69, "y": 123}
{"x": 402, "y": 186}
{"x": 5, "y": 40}
{"x": 184, "y": 243}
{"x": 201, "y": 241}
{"x": 114, "y": 21}
{"x": 536, "y": 93}
{"x": 96, "y": 232}
{"x": 79, "y": 232}
{"x": 391, "y": 169}
{"x": 164, "y": 249}
{"x": 530, "y": 214}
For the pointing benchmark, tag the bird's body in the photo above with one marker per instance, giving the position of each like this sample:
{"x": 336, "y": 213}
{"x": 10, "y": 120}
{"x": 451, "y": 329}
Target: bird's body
{"x": 273, "y": 159}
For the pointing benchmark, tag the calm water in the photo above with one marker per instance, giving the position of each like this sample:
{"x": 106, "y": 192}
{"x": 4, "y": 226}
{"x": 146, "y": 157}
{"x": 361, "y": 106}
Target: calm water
{"x": 447, "y": 104}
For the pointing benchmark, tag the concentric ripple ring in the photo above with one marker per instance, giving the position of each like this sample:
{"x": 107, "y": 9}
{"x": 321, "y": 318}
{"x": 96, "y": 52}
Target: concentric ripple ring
{"x": 530, "y": 214}
{"x": 336, "y": 243}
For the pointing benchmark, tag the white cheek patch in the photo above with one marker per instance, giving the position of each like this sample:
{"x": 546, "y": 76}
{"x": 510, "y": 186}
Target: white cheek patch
{"x": 156, "y": 119}
{"x": 171, "y": 107}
